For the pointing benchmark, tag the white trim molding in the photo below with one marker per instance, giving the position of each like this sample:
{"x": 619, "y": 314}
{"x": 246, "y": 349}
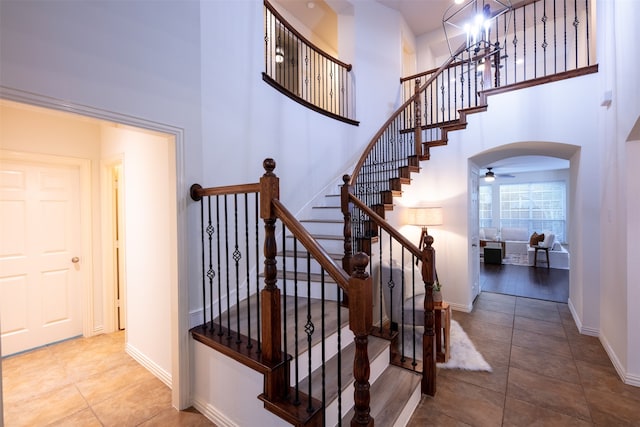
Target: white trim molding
{"x": 149, "y": 364}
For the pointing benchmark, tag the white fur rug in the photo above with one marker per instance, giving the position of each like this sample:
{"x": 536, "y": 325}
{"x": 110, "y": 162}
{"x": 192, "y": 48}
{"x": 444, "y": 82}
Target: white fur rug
{"x": 463, "y": 353}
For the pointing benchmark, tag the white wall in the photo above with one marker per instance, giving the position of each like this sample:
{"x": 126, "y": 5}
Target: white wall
{"x": 619, "y": 228}
{"x": 149, "y": 240}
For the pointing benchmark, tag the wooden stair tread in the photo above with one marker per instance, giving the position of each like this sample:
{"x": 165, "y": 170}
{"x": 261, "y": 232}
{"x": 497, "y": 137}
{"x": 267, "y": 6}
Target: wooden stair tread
{"x": 324, "y": 237}
{"x": 376, "y": 346}
{"x": 389, "y": 394}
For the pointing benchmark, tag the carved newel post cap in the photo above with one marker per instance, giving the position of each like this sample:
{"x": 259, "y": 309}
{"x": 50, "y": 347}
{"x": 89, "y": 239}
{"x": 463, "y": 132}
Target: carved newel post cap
{"x": 360, "y": 262}
{"x": 269, "y": 165}
{"x": 428, "y": 240}
{"x": 346, "y": 178}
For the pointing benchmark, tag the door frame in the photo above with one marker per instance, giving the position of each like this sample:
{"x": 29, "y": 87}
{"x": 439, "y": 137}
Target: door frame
{"x": 180, "y": 384}
{"x": 108, "y": 236}
{"x": 86, "y": 238}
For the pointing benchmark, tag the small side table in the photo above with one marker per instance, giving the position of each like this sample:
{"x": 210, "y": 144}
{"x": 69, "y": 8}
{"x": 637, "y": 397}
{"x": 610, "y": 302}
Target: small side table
{"x": 443, "y": 332}
{"x": 535, "y": 256}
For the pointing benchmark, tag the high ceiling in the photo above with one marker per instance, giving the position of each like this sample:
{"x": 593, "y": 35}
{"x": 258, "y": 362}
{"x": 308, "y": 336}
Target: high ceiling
{"x": 422, "y": 16}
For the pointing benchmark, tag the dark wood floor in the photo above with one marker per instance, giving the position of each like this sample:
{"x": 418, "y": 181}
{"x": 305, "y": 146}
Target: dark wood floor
{"x": 550, "y": 284}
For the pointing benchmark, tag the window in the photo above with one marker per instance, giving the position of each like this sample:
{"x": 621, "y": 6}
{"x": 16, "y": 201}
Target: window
{"x": 485, "y": 206}
{"x": 536, "y": 206}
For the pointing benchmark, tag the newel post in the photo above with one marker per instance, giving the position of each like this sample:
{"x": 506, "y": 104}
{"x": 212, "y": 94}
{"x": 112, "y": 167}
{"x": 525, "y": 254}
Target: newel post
{"x": 360, "y": 322}
{"x": 275, "y": 383}
{"x": 417, "y": 130}
{"x": 428, "y": 338}
{"x": 345, "y": 191}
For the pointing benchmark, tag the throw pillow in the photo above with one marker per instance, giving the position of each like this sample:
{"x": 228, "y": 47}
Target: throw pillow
{"x": 536, "y": 239}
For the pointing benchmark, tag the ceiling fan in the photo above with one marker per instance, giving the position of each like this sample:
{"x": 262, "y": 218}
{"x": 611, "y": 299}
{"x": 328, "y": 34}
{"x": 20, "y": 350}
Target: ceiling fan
{"x": 490, "y": 176}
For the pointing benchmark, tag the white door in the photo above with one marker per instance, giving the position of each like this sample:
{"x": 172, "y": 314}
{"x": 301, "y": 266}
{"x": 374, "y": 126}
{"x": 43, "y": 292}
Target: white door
{"x": 40, "y": 278}
{"x": 474, "y": 231}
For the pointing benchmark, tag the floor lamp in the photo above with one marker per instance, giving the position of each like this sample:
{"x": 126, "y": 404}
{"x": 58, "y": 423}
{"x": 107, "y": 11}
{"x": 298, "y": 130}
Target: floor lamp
{"x": 424, "y": 217}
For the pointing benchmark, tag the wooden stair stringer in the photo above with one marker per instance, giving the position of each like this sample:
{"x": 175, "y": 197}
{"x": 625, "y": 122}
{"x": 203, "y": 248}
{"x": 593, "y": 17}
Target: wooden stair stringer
{"x": 458, "y": 124}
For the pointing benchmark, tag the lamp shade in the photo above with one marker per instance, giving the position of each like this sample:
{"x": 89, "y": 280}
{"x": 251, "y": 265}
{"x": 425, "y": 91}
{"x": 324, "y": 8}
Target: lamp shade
{"x": 424, "y": 216}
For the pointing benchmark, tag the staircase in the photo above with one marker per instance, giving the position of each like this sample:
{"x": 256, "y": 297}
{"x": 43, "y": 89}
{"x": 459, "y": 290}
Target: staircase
{"x": 395, "y": 391}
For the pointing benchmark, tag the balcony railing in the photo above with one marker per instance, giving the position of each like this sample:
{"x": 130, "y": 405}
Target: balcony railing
{"x": 304, "y": 72}
{"x": 546, "y": 40}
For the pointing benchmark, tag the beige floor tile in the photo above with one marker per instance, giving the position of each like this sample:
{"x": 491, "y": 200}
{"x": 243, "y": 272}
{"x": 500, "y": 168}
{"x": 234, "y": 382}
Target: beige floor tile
{"x": 546, "y": 364}
{"x": 25, "y": 383}
{"x": 496, "y": 305}
{"x": 105, "y": 384}
{"x": 496, "y": 353}
{"x": 539, "y": 326}
{"x": 590, "y": 350}
{"x": 541, "y": 343}
{"x": 493, "y": 317}
{"x": 548, "y": 393}
{"x": 45, "y": 408}
{"x": 135, "y": 405}
{"x": 495, "y": 380}
{"x": 597, "y": 377}
{"x": 429, "y": 415}
{"x": 84, "y": 418}
{"x": 469, "y": 403}
{"x": 486, "y": 331}
{"x": 174, "y": 418}
{"x": 548, "y": 314}
{"x": 519, "y": 413}
{"x": 611, "y": 409}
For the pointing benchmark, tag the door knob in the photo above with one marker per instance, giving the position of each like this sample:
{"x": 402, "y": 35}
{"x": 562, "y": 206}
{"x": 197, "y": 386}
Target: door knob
{"x": 75, "y": 259}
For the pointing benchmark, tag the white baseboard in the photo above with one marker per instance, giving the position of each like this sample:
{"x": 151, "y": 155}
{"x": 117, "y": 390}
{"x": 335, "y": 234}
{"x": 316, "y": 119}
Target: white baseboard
{"x": 632, "y": 379}
{"x": 149, "y": 364}
{"x": 212, "y": 414}
{"x": 461, "y": 307}
{"x": 613, "y": 357}
{"x": 594, "y": 332}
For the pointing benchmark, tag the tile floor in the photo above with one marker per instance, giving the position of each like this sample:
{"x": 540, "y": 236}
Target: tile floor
{"x": 545, "y": 373}
{"x": 87, "y": 382}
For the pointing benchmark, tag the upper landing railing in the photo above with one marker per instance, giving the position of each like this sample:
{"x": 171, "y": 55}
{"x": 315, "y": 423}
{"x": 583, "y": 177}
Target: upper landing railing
{"x": 305, "y": 73}
{"x": 546, "y": 40}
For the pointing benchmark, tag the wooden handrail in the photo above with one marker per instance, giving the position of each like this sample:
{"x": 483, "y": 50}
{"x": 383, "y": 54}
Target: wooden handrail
{"x": 312, "y": 246}
{"x": 386, "y": 226}
{"x": 303, "y": 38}
{"x": 376, "y": 137}
{"x": 197, "y": 192}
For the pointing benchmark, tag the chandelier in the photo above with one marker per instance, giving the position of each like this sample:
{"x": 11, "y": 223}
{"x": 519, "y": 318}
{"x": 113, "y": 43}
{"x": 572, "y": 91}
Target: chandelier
{"x": 477, "y": 22}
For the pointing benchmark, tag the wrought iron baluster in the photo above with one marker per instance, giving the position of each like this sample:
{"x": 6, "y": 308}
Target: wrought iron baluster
{"x": 247, "y": 266}
{"x": 227, "y": 257}
{"x": 339, "y": 320}
{"x": 220, "y": 331}
{"x": 257, "y": 249}
{"x": 309, "y": 329}
{"x": 284, "y": 289}
{"x": 211, "y": 272}
{"x": 204, "y": 280}
{"x": 237, "y": 256}
{"x": 296, "y": 400}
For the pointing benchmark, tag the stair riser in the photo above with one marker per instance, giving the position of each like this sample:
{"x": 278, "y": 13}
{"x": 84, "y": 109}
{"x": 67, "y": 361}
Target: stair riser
{"x": 377, "y": 366}
{"x": 332, "y": 200}
{"x": 331, "y": 347}
{"x": 327, "y": 228}
{"x": 288, "y": 263}
{"x": 326, "y": 213}
{"x": 330, "y": 289}
{"x": 332, "y": 246}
